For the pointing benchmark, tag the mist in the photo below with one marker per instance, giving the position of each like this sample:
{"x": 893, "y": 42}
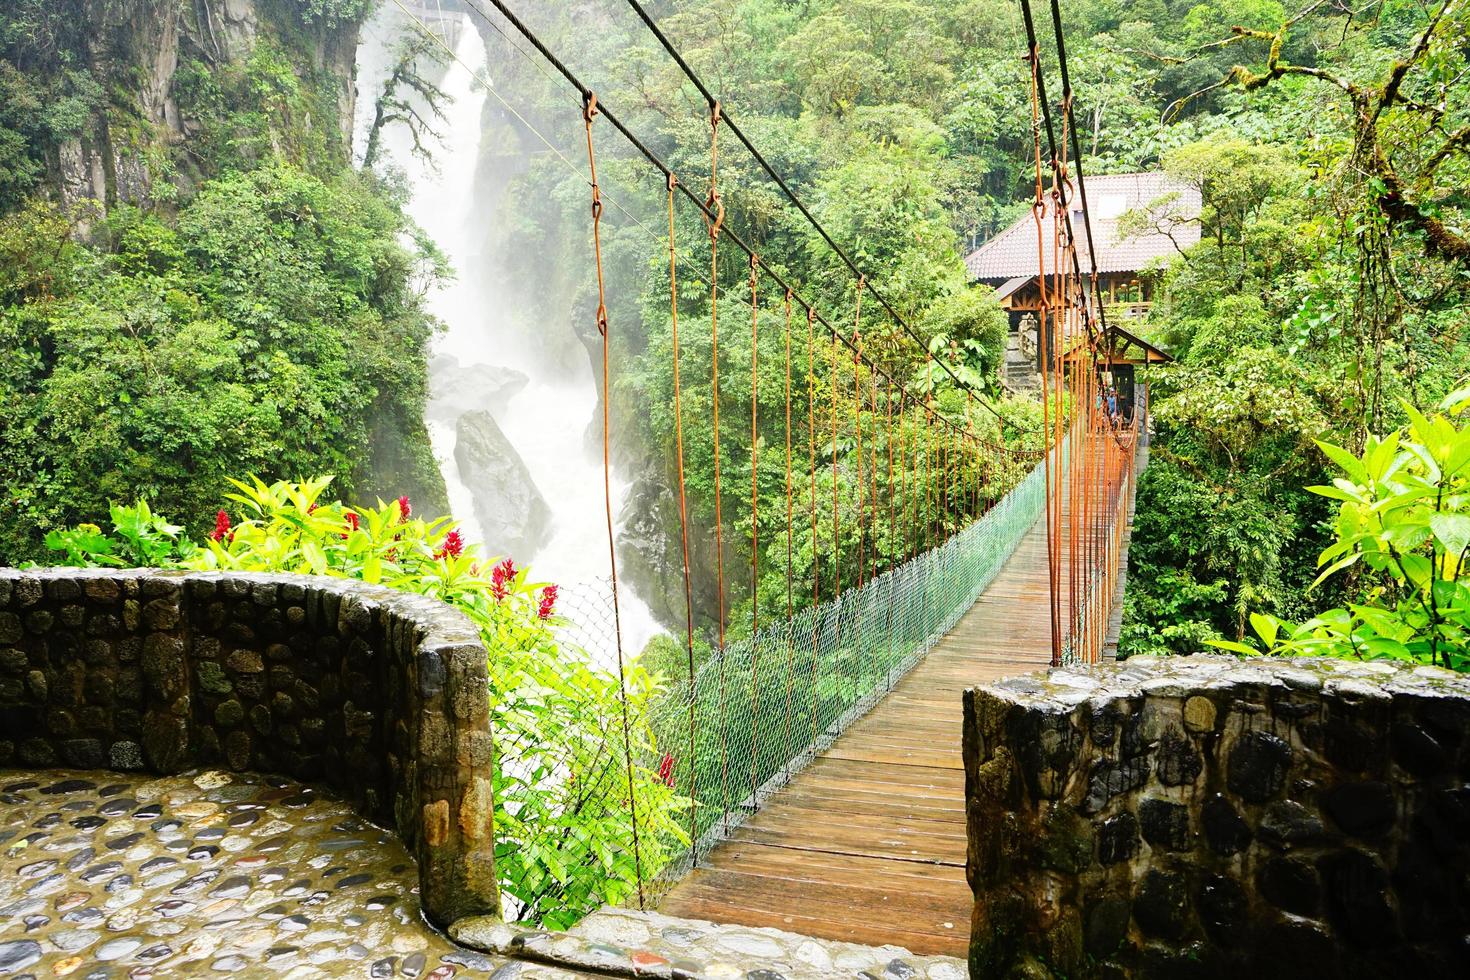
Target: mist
{"x": 514, "y": 413}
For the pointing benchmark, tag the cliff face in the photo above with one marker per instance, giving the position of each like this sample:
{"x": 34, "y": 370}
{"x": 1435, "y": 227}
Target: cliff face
{"x": 149, "y": 57}
{"x": 237, "y": 296}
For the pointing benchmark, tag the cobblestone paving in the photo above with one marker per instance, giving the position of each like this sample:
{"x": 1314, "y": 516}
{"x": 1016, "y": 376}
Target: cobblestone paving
{"x": 628, "y": 943}
{"x": 105, "y": 876}
{"x": 111, "y": 875}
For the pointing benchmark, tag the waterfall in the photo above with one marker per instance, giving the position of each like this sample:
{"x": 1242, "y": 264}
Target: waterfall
{"x": 454, "y": 199}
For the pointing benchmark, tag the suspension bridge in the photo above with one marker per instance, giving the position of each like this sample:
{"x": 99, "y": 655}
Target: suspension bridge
{"x": 806, "y": 773}
{"x": 867, "y": 843}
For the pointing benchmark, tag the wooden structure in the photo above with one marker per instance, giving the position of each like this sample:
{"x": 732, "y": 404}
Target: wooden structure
{"x": 1122, "y": 354}
{"x": 867, "y": 844}
{"x": 1139, "y": 222}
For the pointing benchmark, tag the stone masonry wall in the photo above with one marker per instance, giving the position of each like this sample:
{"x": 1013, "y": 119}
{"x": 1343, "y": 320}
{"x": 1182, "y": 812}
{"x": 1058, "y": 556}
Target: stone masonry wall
{"x": 1210, "y": 817}
{"x": 377, "y": 694}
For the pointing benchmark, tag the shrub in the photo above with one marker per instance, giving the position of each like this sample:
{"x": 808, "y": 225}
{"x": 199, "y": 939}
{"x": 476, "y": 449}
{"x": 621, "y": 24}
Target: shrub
{"x": 1403, "y": 528}
{"x": 565, "y": 794}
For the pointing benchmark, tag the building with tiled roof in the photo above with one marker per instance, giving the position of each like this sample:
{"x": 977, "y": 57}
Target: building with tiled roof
{"x": 1162, "y": 222}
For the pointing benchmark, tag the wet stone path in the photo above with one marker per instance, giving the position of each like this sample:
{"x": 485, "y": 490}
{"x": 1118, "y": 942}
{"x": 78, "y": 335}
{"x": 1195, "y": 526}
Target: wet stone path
{"x": 110, "y": 875}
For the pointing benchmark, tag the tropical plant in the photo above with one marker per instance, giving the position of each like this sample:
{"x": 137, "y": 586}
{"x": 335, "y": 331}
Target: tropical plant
{"x": 139, "y": 537}
{"x": 1403, "y": 528}
{"x": 573, "y": 745}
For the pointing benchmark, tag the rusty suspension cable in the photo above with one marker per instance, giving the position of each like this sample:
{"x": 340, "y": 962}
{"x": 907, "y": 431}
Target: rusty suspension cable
{"x": 589, "y": 113}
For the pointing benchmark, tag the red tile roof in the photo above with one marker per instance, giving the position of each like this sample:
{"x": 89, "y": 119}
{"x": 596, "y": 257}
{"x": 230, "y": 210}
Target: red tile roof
{"x": 1012, "y": 253}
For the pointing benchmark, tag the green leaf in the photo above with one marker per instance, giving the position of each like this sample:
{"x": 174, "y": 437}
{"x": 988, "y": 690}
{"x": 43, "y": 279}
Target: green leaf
{"x": 1234, "y": 647}
{"x": 1344, "y": 491}
{"x": 1335, "y": 567}
{"x": 1345, "y": 461}
{"x": 1452, "y": 530}
{"x": 1267, "y": 627}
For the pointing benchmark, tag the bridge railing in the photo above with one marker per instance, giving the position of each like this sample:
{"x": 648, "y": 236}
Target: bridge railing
{"x": 765, "y": 707}
{"x": 651, "y": 776}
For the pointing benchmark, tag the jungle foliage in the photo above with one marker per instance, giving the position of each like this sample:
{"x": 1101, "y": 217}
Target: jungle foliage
{"x": 257, "y": 307}
{"x": 1329, "y": 143}
{"x": 1326, "y": 301}
{"x": 564, "y": 803}
{"x": 1402, "y": 532}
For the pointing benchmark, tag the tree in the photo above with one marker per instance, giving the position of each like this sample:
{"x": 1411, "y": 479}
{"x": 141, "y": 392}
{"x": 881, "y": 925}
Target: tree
{"x": 970, "y": 325}
{"x": 409, "y": 99}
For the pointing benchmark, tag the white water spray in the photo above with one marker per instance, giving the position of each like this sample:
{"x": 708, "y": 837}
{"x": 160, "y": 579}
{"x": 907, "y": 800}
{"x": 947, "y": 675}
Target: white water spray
{"x": 547, "y": 420}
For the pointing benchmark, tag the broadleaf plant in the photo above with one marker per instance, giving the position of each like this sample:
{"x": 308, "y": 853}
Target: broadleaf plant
{"x": 564, "y": 792}
{"x": 1403, "y": 529}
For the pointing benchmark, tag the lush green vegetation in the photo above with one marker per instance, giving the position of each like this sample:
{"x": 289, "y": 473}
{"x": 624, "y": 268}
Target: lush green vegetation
{"x": 240, "y": 299}
{"x": 1326, "y": 301}
{"x": 1403, "y": 533}
{"x": 1330, "y": 146}
{"x": 563, "y": 806}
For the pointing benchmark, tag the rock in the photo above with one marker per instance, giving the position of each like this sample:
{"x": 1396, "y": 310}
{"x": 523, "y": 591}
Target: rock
{"x": 1199, "y": 714}
{"x": 18, "y": 954}
{"x": 1288, "y": 823}
{"x": 1161, "y": 907}
{"x": 1357, "y": 898}
{"x": 512, "y": 513}
{"x": 83, "y": 753}
{"x": 1117, "y": 839}
{"x": 229, "y": 713}
{"x": 1258, "y": 766}
{"x": 1179, "y": 763}
{"x": 1225, "y": 831}
{"x": 245, "y": 662}
{"x": 650, "y": 551}
{"x": 13, "y": 661}
{"x": 1365, "y": 810}
{"x": 456, "y": 389}
{"x": 1291, "y": 885}
{"x": 483, "y": 932}
{"x": 1222, "y": 909}
{"x": 1417, "y": 751}
{"x": 1110, "y": 778}
{"x": 1107, "y": 925}
{"x": 1165, "y": 825}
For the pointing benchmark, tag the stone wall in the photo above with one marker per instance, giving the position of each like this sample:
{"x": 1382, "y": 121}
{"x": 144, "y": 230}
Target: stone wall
{"x": 1209, "y": 817}
{"x": 377, "y": 694}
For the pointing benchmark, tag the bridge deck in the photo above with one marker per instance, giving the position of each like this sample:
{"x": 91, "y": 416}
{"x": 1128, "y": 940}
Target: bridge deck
{"x": 867, "y": 844}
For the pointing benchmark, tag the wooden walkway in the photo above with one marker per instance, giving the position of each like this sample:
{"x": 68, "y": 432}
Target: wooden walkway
{"x": 867, "y": 844}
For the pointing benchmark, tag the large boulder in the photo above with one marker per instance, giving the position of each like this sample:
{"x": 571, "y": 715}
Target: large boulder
{"x": 650, "y": 555}
{"x": 513, "y": 516}
{"x": 456, "y": 388}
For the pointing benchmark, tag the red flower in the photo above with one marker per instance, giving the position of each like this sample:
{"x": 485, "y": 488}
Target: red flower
{"x": 221, "y": 527}
{"x": 351, "y": 520}
{"x": 453, "y": 545}
{"x": 548, "y": 602}
{"x": 404, "y": 510}
{"x": 502, "y": 574}
{"x": 666, "y": 769}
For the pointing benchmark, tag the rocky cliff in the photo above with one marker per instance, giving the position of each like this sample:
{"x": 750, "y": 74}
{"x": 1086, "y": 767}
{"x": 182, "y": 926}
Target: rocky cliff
{"x": 107, "y": 105}
{"x": 151, "y": 60}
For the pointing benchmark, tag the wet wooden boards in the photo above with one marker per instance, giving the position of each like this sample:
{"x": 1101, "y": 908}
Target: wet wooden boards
{"x": 867, "y": 844}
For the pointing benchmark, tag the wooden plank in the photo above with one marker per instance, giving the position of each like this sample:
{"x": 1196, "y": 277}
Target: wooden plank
{"x": 888, "y": 842}
{"x": 755, "y": 858}
{"x": 867, "y": 843}
{"x": 929, "y": 907}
